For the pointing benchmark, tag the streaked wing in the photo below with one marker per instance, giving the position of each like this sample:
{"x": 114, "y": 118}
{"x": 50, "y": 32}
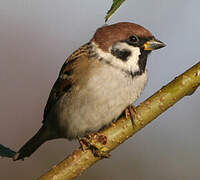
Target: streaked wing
{"x": 64, "y": 81}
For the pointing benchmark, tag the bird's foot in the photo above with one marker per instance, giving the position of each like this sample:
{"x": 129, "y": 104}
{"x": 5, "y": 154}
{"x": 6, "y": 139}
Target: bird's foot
{"x": 95, "y": 142}
{"x": 130, "y": 113}
{"x": 83, "y": 143}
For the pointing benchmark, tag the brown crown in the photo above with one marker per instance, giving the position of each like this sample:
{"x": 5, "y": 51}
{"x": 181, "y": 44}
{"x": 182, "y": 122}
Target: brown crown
{"x": 108, "y": 35}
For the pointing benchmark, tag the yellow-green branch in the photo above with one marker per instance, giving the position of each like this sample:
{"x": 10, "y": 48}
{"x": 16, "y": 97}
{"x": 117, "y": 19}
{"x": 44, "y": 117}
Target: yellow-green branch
{"x": 116, "y": 134}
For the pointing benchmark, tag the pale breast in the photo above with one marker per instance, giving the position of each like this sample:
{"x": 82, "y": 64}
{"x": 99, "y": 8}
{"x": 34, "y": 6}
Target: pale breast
{"x": 102, "y": 99}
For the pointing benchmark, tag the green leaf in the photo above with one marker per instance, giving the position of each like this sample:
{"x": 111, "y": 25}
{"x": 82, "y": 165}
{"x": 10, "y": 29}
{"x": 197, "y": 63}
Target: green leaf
{"x": 6, "y": 152}
{"x": 116, "y": 4}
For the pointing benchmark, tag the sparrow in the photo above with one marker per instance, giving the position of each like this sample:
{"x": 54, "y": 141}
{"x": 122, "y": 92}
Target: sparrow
{"x": 95, "y": 84}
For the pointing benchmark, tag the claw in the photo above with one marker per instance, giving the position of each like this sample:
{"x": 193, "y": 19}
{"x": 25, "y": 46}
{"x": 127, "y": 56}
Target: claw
{"x": 95, "y": 145}
{"x": 130, "y": 112}
{"x": 83, "y": 143}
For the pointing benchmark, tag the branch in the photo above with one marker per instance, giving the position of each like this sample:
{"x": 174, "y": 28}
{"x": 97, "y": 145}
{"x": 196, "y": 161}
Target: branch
{"x": 121, "y": 130}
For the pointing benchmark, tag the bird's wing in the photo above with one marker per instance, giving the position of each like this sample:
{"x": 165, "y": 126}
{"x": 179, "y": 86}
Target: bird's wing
{"x": 65, "y": 79}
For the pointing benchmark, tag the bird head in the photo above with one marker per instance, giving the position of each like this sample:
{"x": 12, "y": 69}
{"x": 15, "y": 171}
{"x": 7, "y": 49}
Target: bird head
{"x": 125, "y": 46}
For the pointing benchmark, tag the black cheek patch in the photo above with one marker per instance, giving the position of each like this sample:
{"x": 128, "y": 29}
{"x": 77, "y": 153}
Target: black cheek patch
{"x": 121, "y": 54}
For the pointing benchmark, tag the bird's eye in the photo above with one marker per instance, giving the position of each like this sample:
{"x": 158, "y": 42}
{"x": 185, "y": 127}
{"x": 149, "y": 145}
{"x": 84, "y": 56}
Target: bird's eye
{"x": 133, "y": 39}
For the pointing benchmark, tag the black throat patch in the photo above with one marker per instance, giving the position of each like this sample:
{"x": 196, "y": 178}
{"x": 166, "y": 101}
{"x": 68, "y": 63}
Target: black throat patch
{"x": 143, "y": 60}
{"x": 142, "y": 63}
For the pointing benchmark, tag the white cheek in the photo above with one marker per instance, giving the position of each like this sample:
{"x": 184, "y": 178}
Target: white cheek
{"x": 130, "y": 65}
{"x": 132, "y": 62}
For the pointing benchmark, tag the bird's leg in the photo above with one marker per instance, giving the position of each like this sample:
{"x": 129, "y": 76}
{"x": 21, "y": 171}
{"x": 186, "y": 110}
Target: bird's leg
{"x": 83, "y": 143}
{"x": 130, "y": 113}
{"x": 95, "y": 142}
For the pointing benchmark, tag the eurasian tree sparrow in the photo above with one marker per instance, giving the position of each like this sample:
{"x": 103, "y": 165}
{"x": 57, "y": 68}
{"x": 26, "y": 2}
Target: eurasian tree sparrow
{"x": 96, "y": 83}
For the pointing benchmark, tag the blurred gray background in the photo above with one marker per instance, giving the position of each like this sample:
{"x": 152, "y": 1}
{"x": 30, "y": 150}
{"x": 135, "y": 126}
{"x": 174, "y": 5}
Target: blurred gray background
{"x": 36, "y": 36}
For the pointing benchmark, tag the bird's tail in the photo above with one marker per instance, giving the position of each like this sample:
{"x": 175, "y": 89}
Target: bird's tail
{"x": 34, "y": 143}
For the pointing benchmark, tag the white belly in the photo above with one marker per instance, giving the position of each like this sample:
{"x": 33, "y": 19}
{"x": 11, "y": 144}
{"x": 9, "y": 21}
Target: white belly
{"x": 107, "y": 93}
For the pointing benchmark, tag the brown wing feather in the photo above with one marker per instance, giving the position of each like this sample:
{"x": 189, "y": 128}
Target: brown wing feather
{"x": 64, "y": 81}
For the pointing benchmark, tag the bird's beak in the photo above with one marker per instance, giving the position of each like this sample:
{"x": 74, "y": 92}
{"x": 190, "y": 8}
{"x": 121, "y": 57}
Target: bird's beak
{"x": 153, "y": 45}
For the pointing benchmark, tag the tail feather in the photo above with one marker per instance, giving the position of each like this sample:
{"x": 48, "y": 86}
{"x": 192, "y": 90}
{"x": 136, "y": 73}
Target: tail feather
{"x": 33, "y": 144}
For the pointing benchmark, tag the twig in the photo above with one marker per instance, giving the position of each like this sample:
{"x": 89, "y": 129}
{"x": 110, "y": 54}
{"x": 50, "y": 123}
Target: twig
{"x": 116, "y": 134}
